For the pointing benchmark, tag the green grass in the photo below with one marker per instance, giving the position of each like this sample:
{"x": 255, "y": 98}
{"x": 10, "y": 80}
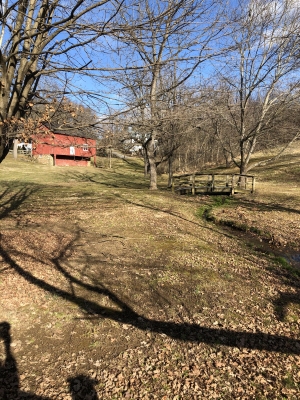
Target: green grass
{"x": 286, "y": 266}
{"x": 219, "y": 201}
{"x": 282, "y": 261}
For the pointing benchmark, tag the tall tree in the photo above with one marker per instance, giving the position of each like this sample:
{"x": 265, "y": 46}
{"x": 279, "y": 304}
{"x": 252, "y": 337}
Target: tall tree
{"x": 66, "y": 116}
{"x": 259, "y": 79}
{"x": 179, "y": 33}
{"x": 44, "y": 38}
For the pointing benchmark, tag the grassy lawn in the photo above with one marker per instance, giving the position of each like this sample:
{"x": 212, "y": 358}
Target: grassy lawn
{"x": 115, "y": 292}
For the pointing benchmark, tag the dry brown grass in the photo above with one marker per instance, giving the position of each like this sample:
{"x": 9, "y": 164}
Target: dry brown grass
{"x": 102, "y": 278}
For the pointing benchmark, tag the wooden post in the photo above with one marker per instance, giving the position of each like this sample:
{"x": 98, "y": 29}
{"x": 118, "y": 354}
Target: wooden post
{"x": 193, "y": 184}
{"x": 209, "y": 183}
{"x": 15, "y": 148}
{"x": 173, "y": 184}
{"x": 212, "y": 182}
{"x": 232, "y": 184}
{"x": 253, "y": 184}
{"x": 110, "y": 154}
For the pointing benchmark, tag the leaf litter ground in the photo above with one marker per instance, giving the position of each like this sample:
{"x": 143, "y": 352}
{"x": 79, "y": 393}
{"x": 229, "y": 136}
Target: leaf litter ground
{"x": 114, "y": 292}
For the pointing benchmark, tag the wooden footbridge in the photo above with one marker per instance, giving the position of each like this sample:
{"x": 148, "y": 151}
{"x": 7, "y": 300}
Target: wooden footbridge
{"x": 199, "y": 183}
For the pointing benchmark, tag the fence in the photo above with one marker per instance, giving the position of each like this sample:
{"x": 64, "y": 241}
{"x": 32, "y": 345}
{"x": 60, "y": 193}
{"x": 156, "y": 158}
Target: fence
{"x": 197, "y": 183}
{"x": 23, "y": 152}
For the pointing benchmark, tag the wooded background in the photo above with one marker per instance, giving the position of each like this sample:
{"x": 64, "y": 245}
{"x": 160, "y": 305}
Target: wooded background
{"x": 193, "y": 82}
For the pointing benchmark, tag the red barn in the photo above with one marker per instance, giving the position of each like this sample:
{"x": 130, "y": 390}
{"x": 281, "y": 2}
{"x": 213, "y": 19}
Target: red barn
{"x": 58, "y": 148}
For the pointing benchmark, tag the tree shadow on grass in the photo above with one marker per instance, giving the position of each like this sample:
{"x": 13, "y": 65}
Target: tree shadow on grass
{"x": 10, "y": 200}
{"x": 187, "y": 332}
{"x": 291, "y": 277}
{"x": 252, "y": 205}
{"x": 125, "y": 314}
{"x": 282, "y": 302}
{"x": 113, "y": 179}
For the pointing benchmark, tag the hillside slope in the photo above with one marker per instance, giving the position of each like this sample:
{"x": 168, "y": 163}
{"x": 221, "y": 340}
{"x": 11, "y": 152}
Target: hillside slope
{"x": 115, "y": 292}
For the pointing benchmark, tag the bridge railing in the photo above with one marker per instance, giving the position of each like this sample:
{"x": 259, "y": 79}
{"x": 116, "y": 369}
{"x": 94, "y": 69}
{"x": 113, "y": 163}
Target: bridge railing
{"x": 197, "y": 183}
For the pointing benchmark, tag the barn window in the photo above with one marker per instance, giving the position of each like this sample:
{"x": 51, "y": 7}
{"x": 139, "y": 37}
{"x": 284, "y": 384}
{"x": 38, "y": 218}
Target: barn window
{"x": 85, "y": 147}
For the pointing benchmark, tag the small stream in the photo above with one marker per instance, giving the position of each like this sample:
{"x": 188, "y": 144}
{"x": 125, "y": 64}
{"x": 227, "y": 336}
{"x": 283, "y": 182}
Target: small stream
{"x": 291, "y": 255}
{"x": 293, "y": 258}
{"x": 296, "y": 258}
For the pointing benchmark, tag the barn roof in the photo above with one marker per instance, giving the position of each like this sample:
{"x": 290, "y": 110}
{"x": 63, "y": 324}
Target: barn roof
{"x": 69, "y": 131}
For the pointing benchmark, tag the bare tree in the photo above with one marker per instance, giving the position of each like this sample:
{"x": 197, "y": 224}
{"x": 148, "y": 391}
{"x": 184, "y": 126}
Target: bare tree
{"x": 64, "y": 115}
{"x": 44, "y": 38}
{"x": 257, "y": 81}
{"x": 179, "y": 33}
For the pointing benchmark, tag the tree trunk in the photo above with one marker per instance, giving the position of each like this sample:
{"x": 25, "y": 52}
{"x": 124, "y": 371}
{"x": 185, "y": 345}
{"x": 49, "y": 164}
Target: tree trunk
{"x": 152, "y": 163}
{"x": 4, "y": 144}
{"x": 170, "y": 161}
{"x": 146, "y": 164}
